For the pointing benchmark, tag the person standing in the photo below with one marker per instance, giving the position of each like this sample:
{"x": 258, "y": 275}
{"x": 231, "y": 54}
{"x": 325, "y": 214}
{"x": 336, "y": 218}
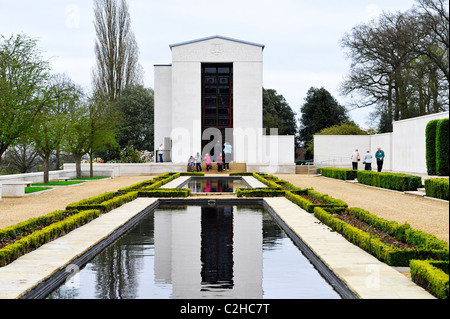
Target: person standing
{"x": 355, "y": 159}
{"x": 368, "y": 161}
{"x": 198, "y": 162}
{"x": 227, "y": 156}
{"x": 160, "y": 153}
{"x": 379, "y": 155}
{"x": 207, "y": 159}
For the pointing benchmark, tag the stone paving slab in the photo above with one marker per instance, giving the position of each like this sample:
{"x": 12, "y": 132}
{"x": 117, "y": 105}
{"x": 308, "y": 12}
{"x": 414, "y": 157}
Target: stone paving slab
{"x": 22, "y": 275}
{"x": 365, "y": 276}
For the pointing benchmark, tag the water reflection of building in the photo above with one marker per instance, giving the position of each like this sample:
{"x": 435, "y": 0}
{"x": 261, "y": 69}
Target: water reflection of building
{"x": 226, "y": 262}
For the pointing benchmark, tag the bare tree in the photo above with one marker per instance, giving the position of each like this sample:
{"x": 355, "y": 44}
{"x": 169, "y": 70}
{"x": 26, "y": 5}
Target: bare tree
{"x": 116, "y": 49}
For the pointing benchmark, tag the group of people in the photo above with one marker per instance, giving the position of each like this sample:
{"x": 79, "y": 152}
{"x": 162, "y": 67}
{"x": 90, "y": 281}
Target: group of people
{"x": 367, "y": 161}
{"x": 222, "y": 160}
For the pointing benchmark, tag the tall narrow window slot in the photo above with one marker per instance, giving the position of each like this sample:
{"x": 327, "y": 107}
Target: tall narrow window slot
{"x": 217, "y": 99}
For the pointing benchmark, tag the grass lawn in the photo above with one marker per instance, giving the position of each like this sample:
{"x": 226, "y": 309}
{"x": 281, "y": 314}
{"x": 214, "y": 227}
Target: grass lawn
{"x": 29, "y": 190}
{"x": 58, "y": 183}
{"x": 88, "y": 178}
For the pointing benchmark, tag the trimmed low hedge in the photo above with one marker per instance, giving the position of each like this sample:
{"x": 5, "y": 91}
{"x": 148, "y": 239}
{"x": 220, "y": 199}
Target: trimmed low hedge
{"x": 40, "y": 237}
{"x": 259, "y": 192}
{"x": 162, "y": 182}
{"x": 241, "y": 174}
{"x": 339, "y": 173}
{"x": 178, "y": 192}
{"x": 107, "y": 205}
{"x": 437, "y": 188}
{"x": 332, "y": 204}
{"x": 432, "y": 276}
{"x": 428, "y": 246}
{"x": 395, "y": 181}
{"x": 270, "y": 184}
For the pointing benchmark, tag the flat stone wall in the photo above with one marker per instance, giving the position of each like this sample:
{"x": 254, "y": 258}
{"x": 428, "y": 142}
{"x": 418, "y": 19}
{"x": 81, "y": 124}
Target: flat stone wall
{"x": 404, "y": 148}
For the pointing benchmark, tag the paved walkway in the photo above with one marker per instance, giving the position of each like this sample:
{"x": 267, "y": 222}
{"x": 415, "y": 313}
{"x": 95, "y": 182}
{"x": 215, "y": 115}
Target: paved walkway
{"x": 364, "y": 275}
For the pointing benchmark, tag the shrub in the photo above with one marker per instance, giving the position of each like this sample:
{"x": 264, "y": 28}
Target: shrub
{"x": 178, "y": 192}
{"x": 437, "y": 188}
{"x": 241, "y": 174}
{"x": 92, "y": 200}
{"x": 259, "y": 192}
{"x": 106, "y": 205}
{"x": 270, "y": 184}
{"x": 430, "y": 147}
{"x": 442, "y": 147}
{"x": 432, "y": 276}
{"x": 395, "y": 181}
{"x": 427, "y": 246}
{"x": 339, "y": 173}
{"x": 40, "y": 237}
{"x": 330, "y": 204}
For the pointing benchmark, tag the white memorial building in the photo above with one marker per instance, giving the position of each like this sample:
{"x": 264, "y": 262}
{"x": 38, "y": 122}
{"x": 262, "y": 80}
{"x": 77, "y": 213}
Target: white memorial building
{"x": 212, "y": 91}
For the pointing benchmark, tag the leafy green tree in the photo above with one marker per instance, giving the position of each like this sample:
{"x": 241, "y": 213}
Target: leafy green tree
{"x": 277, "y": 113}
{"x": 51, "y": 123}
{"x": 23, "y": 87}
{"x": 78, "y": 133}
{"x": 320, "y": 110}
{"x": 103, "y": 119}
{"x": 136, "y": 107}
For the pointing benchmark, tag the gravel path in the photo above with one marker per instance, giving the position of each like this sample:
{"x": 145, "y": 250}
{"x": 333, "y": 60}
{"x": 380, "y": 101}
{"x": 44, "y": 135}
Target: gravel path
{"x": 428, "y": 215}
{"x": 15, "y": 210}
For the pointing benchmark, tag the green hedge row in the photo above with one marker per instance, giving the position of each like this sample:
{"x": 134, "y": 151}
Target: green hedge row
{"x": 428, "y": 246}
{"x": 145, "y": 183}
{"x": 332, "y": 204}
{"x": 11, "y": 232}
{"x": 437, "y": 188}
{"x": 339, "y": 173}
{"x": 76, "y": 214}
{"x": 259, "y": 192}
{"x": 178, "y": 192}
{"x": 432, "y": 276}
{"x": 107, "y": 205}
{"x": 40, "y": 237}
{"x": 437, "y": 147}
{"x": 270, "y": 184}
{"x": 395, "y": 181}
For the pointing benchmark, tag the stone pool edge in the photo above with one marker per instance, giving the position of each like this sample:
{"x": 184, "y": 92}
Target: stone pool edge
{"x": 363, "y": 274}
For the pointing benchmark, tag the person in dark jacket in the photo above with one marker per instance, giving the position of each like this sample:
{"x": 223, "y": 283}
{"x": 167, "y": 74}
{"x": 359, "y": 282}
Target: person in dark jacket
{"x": 379, "y": 155}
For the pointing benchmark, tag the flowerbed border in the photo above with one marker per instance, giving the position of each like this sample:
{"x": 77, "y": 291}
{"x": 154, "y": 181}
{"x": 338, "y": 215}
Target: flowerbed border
{"x": 81, "y": 213}
{"x": 428, "y": 246}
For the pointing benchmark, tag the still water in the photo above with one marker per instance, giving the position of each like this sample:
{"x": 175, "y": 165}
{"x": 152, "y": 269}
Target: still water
{"x": 200, "y": 252}
{"x": 214, "y": 185}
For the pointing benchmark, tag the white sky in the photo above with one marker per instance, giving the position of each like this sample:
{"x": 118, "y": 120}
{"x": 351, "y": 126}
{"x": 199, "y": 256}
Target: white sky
{"x": 301, "y": 37}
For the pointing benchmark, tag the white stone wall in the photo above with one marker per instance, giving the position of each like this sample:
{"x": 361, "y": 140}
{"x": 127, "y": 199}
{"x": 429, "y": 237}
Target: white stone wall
{"x": 404, "y": 148}
{"x": 185, "y": 89}
{"x": 162, "y": 104}
{"x": 408, "y": 143}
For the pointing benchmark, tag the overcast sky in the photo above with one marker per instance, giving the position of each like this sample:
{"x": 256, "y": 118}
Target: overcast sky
{"x": 301, "y": 37}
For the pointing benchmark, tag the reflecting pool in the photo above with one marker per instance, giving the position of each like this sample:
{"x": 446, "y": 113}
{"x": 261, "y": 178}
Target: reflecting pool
{"x": 214, "y": 184}
{"x": 200, "y": 252}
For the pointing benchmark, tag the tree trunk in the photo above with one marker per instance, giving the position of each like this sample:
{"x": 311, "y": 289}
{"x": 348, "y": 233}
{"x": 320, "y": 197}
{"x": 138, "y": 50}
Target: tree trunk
{"x": 46, "y": 157}
{"x": 78, "y": 165}
{"x": 91, "y": 166}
